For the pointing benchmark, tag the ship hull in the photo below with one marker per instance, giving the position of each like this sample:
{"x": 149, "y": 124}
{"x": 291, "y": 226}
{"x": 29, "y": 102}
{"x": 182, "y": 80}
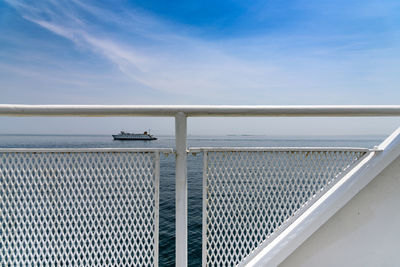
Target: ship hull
{"x": 133, "y": 138}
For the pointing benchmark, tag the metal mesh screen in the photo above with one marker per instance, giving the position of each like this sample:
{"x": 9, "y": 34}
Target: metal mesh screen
{"x": 250, "y": 195}
{"x": 79, "y": 209}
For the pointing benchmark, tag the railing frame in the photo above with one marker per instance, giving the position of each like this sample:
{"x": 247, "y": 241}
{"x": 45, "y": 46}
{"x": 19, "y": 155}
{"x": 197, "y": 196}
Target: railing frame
{"x": 273, "y": 253}
{"x": 206, "y": 150}
{"x": 181, "y": 200}
{"x": 199, "y": 111}
{"x": 155, "y": 151}
{"x": 181, "y": 113}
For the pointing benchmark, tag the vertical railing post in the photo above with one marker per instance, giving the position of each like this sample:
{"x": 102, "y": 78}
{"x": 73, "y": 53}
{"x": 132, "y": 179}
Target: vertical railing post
{"x": 157, "y": 207}
{"x": 181, "y": 190}
{"x": 204, "y": 215}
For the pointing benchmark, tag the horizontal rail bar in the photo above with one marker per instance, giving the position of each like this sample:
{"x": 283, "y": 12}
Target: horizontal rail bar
{"x": 83, "y": 150}
{"x": 190, "y": 150}
{"x": 272, "y": 149}
{"x": 199, "y": 111}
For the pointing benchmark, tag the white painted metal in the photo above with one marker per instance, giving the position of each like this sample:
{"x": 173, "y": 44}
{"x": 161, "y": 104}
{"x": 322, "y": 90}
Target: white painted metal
{"x": 87, "y": 150}
{"x": 156, "y": 206}
{"x": 324, "y": 208}
{"x": 204, "y": 208}
{"x": 181, "y": 113}
{"x": 199, "y": 111}
{"x": 251, "y": 195}
{"x": 276, "y": 149}
{"x": 364, "y": 233}
{"x": 79, "y": 208}
{"x": 181, "y": 189}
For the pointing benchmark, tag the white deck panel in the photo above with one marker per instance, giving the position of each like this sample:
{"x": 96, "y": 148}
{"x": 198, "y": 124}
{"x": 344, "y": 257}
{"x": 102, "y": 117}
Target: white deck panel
{"x": 365, "y": 232}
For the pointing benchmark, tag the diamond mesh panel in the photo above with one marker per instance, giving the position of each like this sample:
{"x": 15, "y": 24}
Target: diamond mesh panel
{"x": 250, "y": 195}
{"x": 80, "y": 209}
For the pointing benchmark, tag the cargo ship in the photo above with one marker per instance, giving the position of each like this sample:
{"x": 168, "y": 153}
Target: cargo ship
{"x": 133, "y": 136}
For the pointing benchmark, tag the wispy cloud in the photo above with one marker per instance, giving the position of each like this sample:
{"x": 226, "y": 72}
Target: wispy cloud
{"x": 152, "y": 52}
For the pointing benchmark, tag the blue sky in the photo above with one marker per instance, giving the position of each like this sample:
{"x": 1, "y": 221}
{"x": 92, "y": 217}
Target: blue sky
{"x": 200, "y": 52}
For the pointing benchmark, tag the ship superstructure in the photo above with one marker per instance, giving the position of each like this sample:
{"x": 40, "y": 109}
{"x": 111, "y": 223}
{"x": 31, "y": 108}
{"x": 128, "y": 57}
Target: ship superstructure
{"x": 133, "y": 136}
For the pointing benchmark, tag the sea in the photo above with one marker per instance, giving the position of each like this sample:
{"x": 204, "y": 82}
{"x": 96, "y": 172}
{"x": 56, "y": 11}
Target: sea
{"x": 167, "y": 172}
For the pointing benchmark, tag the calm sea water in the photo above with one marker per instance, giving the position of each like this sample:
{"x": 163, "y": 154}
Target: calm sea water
{"x": 167, "y": 175}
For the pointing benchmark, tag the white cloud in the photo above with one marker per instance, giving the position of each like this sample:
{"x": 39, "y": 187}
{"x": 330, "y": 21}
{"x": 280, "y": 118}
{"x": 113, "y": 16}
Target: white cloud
{"x": 150, "y": 51}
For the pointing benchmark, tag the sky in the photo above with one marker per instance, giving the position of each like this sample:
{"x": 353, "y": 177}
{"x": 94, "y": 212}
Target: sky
{"x": 293, "y": 52}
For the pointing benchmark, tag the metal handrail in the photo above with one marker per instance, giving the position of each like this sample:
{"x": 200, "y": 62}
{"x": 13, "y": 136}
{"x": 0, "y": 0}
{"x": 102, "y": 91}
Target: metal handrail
{"x": 200, "y": 110}
{"x": 181, "y": 113}
{"x": 86, "y": 150}
{"x": 273, "y": 149}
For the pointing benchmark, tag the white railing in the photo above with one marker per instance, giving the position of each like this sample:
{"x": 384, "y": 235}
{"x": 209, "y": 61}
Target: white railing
{"x": 83, "y": 207}
{"x": 274, "y": 252}
{"x": 199, "y": 111}
{"x": 252, "y": 194}
{"x": 181, "y": 113}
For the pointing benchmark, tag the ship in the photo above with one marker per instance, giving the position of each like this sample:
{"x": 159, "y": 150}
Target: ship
{"x": 133, "y": 136}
